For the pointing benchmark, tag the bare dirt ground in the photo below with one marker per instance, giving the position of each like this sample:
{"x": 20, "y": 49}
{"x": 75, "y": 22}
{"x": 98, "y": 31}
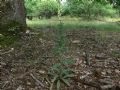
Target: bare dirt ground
{"x": 24, "y": 65}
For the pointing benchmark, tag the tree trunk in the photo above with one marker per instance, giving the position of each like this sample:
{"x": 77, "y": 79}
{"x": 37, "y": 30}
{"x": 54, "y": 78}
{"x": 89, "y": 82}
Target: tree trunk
{"x": 19, "y": 14}
{"x": 12, "y": 10}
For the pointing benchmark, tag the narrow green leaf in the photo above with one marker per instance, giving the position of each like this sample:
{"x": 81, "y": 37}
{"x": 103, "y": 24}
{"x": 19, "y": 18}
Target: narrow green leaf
{"x": 55, "y": 78}
{"x": 58, "y": 84}
{"x": 66, "y": 82}
{"x": 68, "y": 71}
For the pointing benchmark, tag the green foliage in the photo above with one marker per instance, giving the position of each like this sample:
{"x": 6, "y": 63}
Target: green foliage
{"x": 61, "y": 73}
{"x": 84, "y": 8}
{"x": 65, "y": 10}
{"x": 41, "y": 8}
{"x": 105, "y": 10}
{"x": 31, "y": 6}
{"x": 60, "y": 40}
{"x": 47, "y": 8}
{"x": 90, "y": 8}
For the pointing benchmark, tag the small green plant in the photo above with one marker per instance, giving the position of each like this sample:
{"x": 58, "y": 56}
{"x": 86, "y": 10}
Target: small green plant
{"x": 60, "y": 40}
{"x": 61, "y": 73}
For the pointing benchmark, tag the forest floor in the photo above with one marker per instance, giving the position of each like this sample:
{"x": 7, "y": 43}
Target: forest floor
{"x": 25, "y": 64}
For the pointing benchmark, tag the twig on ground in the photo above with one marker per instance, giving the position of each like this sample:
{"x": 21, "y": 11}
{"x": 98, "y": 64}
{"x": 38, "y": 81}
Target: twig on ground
{"x": 107, "y": 84}
{"x": 7, "y": 82}
{"x": 19, "y": 88}
{"x": 7, "y": 51}
{"x": 38, "y": 82}
{"x": 92, "y": 84}
{"x": 87, "y": 58}
{"x": 106, "y": 87}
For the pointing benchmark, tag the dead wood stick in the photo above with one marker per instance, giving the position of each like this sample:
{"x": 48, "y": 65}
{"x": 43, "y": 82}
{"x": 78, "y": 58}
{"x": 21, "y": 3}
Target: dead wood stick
{"x": 105, "y": 81}
{"x": 38, "y": 82}
{"x": 107, "y": 84}
{"x": 84, "y": 76}
{"x": 7, "y": 51}
{"x": 106, "y": 87}
{"x": 87, "y": 58}
{"x": 19, "y": 88}
{"x": 103, "y": 67}
{"x": 92, "y": 84}
{"x": 5, "y": 84}
{"x": 95, "y": 84}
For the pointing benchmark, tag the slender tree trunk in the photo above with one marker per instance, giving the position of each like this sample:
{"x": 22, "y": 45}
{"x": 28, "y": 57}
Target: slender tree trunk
{"x": 59, "y": 10}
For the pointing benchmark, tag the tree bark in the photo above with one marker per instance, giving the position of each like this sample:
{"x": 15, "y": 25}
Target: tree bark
{"x": 13, "y": 10}
{"x": 19, "y": 14}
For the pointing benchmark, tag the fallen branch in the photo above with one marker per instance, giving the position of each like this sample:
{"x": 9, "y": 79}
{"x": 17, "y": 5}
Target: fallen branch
{"x": 105, "y": 81}
{"x": 7, "y": 51}
{"x": 106, "y": 87}
{"x": 87, "y": 58}
{"x": 107, "y": 84}
{"x": 19, "y": 88}
{"x": 84, "y": 76}
{"x": 90, "y": 83}
{"x": 5, "y": 84}
{"x": 38, "y": 82}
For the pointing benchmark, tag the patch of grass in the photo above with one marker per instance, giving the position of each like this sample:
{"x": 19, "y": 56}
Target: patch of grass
{"x": 112, "y": 19}
{"x": 74, "y": 23}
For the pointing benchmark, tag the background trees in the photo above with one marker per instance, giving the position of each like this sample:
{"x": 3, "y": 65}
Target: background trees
{"x": 47, "y": 8}
{"x": 81, "y": 8}
{"x": 90, "y": 8}
{"x": 41, "y": 8}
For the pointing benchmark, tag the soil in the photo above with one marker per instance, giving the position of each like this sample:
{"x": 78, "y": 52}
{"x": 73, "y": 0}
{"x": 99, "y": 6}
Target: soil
{"x": 24, "y": 64}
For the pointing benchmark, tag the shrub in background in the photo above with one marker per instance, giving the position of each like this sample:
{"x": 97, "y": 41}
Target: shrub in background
{"x": 90, "y": 8}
